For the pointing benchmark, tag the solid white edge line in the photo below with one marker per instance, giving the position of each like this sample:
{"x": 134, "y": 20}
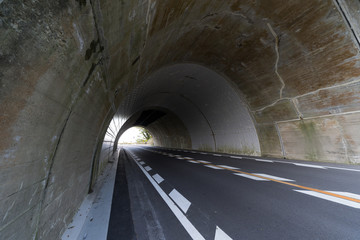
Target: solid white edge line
{"x": 330, "y": 198}
{"x": 309, "y": 165}
{"x": 193, "y": 232}
{"x": 158, "y": 178}
{"x": 264, "y": 160}
{"x": 250, "y": 177}
{"x": 180, "y": 200}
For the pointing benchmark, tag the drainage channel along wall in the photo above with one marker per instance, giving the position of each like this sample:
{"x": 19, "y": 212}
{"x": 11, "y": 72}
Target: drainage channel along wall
{"x": 270, "y": 77}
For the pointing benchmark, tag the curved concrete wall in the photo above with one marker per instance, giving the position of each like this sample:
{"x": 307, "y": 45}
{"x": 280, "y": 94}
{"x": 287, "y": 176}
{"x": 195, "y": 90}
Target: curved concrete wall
{"x": 67, "y": 67}
{"x": 210, "y": 108}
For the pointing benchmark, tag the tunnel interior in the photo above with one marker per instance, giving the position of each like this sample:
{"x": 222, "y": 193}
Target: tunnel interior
{"x": 270, "y": 78}
{"x": 204, "y": 111}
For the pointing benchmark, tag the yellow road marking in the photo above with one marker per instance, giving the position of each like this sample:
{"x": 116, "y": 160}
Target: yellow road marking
{"x": 287, "y": 183}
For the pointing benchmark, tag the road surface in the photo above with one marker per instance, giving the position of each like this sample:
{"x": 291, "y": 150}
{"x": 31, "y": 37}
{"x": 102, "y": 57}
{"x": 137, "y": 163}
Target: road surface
{"x": 180, "y": 194}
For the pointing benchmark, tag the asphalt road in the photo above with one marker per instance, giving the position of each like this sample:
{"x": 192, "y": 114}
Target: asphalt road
{"x": 197, "y": 195}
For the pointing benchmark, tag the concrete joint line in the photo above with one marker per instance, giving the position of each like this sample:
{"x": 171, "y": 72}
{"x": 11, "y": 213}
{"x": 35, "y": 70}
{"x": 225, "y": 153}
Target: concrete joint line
{"x": 344, "y": 13}
{"x": 280, "y": 140}
{"x": 295, "y": 103}
{"x": 42, "y": 199}
{"x": 272, "y": 104}
{"x": 323, "y": 116}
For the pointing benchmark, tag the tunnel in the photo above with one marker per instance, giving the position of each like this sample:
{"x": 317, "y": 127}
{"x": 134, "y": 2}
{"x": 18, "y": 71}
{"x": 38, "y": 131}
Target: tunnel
{"x": 265, "y": 79}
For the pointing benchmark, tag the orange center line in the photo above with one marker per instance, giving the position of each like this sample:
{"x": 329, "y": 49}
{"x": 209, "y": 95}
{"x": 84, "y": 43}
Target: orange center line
{"x": 287, "y": 183}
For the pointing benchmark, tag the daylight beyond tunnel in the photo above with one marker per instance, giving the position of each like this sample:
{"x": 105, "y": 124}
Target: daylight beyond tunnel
{"x": 273, "y": 78}
{"x": 201, "y": 110}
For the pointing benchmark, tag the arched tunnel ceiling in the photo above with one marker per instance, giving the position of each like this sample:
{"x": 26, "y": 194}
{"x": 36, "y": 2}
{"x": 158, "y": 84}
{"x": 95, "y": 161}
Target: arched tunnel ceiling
{"x": 286, "y": 76}
{"x": 296, "y": 68}
{"x": 212, "y": 110}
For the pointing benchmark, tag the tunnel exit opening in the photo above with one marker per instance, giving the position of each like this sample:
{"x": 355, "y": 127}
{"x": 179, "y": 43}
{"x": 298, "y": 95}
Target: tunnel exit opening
{"x": 136, "y": 135}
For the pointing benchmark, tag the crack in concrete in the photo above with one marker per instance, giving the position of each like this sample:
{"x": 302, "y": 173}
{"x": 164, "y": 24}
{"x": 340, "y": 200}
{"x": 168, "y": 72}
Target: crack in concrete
{"x": 276, "y": 47}
{"x": 271, "y": 105}
{"x": 296, "y": 103}
{"x": 277, "y": 40}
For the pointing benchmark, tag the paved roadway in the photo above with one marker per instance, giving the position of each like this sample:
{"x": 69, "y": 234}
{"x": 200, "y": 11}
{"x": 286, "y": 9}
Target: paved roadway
{"x": 197, "y": 195}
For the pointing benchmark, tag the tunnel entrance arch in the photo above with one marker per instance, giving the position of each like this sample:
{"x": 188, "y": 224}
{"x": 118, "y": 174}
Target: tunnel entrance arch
{"x": 210, "y": 108}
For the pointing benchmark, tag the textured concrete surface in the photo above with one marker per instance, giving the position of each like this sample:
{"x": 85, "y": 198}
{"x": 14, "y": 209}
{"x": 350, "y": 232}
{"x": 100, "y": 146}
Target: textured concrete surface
{"x": 272, "y": 77}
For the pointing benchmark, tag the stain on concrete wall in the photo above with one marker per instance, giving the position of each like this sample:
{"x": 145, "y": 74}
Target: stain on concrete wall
{"x": 65, "y": 65}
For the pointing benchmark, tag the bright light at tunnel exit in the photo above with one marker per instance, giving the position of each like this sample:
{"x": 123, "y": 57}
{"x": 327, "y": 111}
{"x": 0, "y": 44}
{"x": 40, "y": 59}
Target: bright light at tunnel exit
{"x": 130, "y": 136}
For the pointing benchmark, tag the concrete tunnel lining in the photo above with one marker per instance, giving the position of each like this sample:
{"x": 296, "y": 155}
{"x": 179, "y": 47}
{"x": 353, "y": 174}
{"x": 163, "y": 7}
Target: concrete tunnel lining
{"x": 66, "y": 67}
{"x": 212, "y": 110}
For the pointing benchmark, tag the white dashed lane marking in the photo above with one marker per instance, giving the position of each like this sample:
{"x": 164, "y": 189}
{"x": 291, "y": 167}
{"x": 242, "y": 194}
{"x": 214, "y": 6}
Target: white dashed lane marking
{"x": 229, "y": 167}
{"x": 274, "y": 177}
{"x": 217, "y": 155}
{"x": 250, "y": 177}
{"x": 221, "y": 235}
{"x": 213, "y": 167}
{"x": 158, "y": 178}
{"x": 180, "y": 200}
{"x": 202, "y": 161}
{"x": 147, "y": 168}
{"x": 189, "y": 227}
{"x": 334, "y": 199}
{"x": 142, "y": 163}
{"x": 236, "y": 157}
{"x": 192, "y": 161}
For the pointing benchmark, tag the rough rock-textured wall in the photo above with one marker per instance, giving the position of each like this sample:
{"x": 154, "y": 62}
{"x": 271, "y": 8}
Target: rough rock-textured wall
{"x": 50, "y": 75}
{"x": 296, "y": 62}
{"x": 66, "y": 65}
